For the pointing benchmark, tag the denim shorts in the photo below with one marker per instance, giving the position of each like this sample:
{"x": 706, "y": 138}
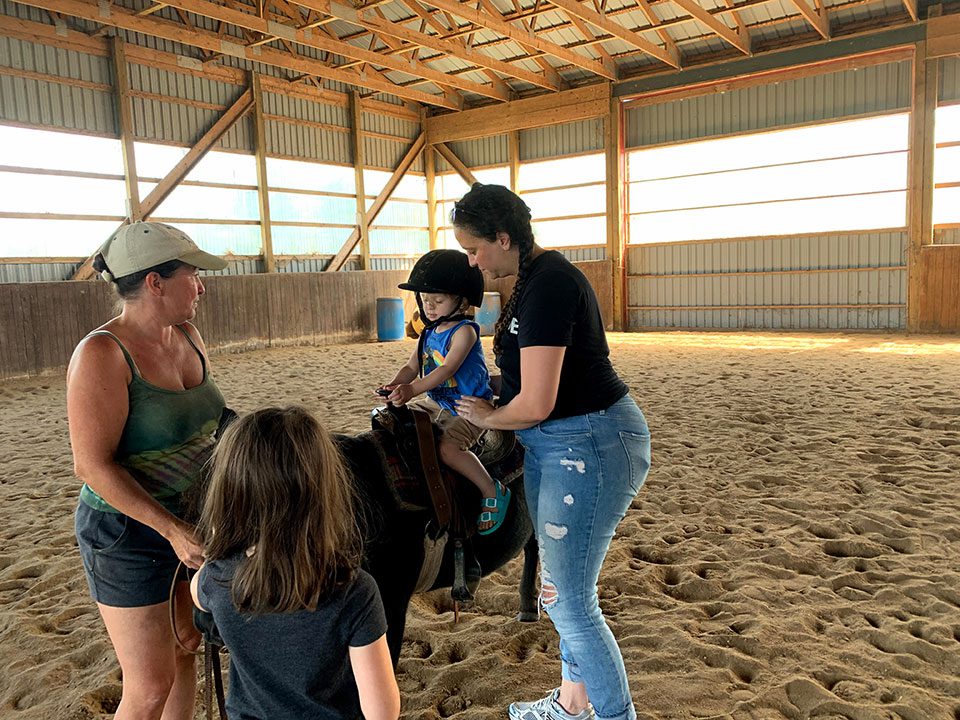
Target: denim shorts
{"x": 127, "y": 563}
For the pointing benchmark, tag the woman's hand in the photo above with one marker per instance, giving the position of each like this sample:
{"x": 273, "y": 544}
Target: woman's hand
{"x": 184, "y": 542}
{"x": 476, "y": 410}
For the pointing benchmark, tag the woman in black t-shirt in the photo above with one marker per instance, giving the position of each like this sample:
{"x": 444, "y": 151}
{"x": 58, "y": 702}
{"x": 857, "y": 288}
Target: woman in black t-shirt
{"x": 586, "y": 441}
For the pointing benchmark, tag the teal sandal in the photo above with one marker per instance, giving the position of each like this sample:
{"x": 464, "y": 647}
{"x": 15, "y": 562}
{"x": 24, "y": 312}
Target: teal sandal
{"x": 494, "y": 509}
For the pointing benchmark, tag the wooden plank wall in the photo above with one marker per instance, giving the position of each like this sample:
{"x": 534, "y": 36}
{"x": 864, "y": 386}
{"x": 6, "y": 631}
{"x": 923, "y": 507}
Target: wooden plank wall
{"x": 939, "y": 288}
{"x": 41, "y": 323}
{"x": 598, "y": 272}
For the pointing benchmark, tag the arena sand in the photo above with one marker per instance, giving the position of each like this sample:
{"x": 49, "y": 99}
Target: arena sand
{"x": 795, "y": 553}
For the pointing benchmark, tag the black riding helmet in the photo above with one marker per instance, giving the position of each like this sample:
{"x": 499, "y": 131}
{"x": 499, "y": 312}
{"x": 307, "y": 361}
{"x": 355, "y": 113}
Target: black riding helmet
{"x": 446, "y": 271}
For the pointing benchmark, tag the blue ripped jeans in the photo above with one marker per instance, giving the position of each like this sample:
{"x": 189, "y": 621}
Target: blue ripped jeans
{"x": 580, "y": 475}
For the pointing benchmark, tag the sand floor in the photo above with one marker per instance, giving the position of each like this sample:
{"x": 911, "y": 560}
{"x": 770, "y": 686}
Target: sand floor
{"x": 795, "y": 553}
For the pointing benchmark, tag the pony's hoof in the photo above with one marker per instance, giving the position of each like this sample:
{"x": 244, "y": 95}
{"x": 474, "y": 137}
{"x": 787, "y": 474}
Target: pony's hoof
{"x": 528, "y": 616}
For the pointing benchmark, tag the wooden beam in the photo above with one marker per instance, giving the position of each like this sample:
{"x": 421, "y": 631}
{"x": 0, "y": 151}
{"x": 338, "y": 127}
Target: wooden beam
{"x": 356, "y": 141}
{"x": 308, "y": 38}
{"x": 817, "y": 18}
{"x": 575, "y": 9}
{"x": 373, "y": 23}
{"x": 920, "y": 178}
{"x": 182, "y": 168}
{"x": 120, "y": 17}
{"x": 430, "y": 170}
{"x": 583, "y": 103}
{"x": 614, "y": 148}
{"x": 499, "y": 25}
{"x": 125, "y": 114}
{"x": 715, "y": 24}
{"x": 343, "y": 253}
{"x": 263, "y": 193}
{"x": 456, "y": 163}
{"x": 943, "y": 36}
{"x": 513, "y": 139}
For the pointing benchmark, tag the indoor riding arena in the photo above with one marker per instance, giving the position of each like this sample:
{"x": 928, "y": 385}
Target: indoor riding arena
{"x": 764, "y": 195}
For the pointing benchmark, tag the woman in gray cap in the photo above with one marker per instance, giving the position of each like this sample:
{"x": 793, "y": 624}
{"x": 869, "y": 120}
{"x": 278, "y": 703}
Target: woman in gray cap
{"x": 143, "y": 410}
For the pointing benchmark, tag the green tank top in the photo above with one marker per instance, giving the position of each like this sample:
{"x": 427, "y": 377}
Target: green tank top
{"x": 168, "y": 436}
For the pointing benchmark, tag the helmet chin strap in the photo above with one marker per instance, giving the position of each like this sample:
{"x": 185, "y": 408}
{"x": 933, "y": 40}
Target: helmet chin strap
{"x": 455, "y": 315}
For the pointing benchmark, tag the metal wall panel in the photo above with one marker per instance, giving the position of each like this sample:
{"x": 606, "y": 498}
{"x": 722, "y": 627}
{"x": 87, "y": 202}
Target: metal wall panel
{"x": 492, "y": 150}
{"x": 949, "y": 77}
{"x": 301, "y": 139}
{"x": 52, "y": 104}
{"x": 383, "y": 154}
{"x": 688, "y": 284}
{"x": 36, "y": 272}
{"x": 826, "y": 97}
{"x": 559, "y": 140}
{"x": 389, "y": 125}
{"x": 946, "y": 236}
{"x": 586, "y": 254}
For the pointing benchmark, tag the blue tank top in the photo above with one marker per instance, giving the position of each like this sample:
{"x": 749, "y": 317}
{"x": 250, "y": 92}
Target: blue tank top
{"x": 471, "y": 378}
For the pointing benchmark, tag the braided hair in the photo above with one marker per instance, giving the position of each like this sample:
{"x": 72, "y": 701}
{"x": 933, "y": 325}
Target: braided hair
{"x": 490, "y": 209}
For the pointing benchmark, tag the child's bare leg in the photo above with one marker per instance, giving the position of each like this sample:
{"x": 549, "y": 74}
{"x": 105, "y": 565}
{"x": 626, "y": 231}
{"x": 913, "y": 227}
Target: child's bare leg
{"x": 468, "y": 465}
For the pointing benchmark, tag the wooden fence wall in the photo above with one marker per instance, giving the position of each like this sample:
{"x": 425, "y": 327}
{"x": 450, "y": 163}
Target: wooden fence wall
{"x": 940, "y": 288}
{"x": 41, "y": 323}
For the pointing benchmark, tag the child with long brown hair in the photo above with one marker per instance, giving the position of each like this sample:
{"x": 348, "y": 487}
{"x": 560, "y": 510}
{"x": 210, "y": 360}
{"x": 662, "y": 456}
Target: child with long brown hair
{"x": 304, "y": 625}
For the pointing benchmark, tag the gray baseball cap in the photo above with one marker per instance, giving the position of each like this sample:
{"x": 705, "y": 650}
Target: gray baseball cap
{"x": 142, "y": 245}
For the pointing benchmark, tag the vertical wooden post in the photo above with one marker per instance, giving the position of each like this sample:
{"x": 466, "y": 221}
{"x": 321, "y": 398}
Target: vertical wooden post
{"x": 430, "y": 170}
{"x": 920, "y": 177}
{"x": 356, "y": 137}
{"x": 125, "y": 114}
{"x": 616, "y": 177}
{"x": 514, "y": 140}
{"x": 263, "y": 187}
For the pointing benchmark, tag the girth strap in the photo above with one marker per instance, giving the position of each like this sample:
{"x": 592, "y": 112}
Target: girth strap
{"x": 439, "y": 494}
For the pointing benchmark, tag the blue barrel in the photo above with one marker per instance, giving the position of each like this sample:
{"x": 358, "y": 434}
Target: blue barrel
{"x": 390, "y": 321}
{"x": 489, "y": 313}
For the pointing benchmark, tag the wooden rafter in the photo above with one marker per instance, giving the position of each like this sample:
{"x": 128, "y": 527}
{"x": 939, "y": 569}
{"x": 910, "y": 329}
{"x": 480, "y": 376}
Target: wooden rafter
{"x": 411, "y": 155}
{"x": 814, "y": 16}
{"x": 718, "y": 26}
{"x": 289, "y": 33}
{"x": 499, "y": 24}
{"x": 118, "y": 16}
{"x": 911, "y": 6}
{"x": 574, "y": 8}
{"x": 654, "y": 20}
{"x": 372, "y": 23}
{"x": 741, "y": 26}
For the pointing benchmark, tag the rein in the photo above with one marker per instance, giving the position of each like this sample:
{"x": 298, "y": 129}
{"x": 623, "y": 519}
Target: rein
{"x": 212, "y": 671}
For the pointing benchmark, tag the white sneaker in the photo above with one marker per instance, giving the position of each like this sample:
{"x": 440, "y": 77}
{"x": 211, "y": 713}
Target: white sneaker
{"x": 547, "y": 708}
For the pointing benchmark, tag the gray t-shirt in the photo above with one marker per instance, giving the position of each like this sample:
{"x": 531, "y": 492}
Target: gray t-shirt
{"x": 293, "y": 665}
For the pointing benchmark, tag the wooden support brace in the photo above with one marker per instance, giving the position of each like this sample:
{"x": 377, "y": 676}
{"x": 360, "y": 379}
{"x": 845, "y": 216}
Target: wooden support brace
{"x": 182, "y": 168}
{"x": 616, "y": 182}
{"x": 340, "y": 259}
{"x": 457, "y": 164}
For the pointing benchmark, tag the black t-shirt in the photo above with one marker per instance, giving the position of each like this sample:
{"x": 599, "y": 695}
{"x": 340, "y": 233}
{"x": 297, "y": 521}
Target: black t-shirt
{"x": 558, "y": 308}
{"x": 293, "y": 665}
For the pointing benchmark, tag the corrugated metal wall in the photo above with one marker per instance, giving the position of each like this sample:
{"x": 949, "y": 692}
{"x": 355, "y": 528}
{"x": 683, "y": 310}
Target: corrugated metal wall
{"x": 53, "y": 104}
{"x": 731, "y": 283}
{"x": 877, "y": 88}
{"x": 949, "y": 76}
{"x": 726, "y": 284}
{"x": 558, "y": 140}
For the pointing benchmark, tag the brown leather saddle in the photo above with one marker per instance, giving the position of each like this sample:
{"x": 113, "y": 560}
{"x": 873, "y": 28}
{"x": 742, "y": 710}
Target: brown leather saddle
{"x": 408, "y": 443}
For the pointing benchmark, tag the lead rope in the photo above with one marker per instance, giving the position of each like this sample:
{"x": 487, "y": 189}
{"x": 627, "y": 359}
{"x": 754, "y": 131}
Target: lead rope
{"x": 212, "y": 673}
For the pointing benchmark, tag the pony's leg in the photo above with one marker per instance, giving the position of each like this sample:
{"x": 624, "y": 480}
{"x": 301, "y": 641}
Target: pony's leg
{"x": 529, "y": 606}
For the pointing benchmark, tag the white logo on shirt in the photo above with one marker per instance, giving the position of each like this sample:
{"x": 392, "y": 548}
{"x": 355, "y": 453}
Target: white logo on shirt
{"x": 514, "y": 326}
